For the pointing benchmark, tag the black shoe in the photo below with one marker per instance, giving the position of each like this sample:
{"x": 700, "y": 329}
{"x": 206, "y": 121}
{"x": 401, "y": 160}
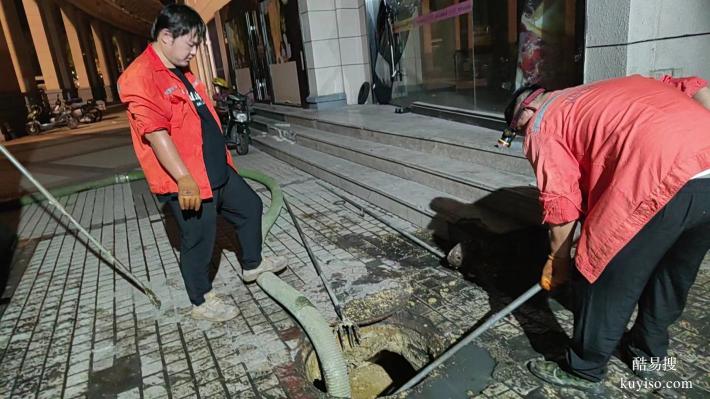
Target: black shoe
{"x": 551, "y": 372}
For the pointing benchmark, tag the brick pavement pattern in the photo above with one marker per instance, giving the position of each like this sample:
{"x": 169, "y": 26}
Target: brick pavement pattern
{"x": 75, "y": 329}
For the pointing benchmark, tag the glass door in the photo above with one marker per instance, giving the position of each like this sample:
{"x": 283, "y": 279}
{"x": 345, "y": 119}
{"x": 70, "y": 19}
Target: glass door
{"x": 471, "y": 54}
{"x": 260, "y": 54}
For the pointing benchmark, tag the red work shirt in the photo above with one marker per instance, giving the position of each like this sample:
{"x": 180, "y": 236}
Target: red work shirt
{"x": 157, "y": 100}
{"x": 613, "y": 153}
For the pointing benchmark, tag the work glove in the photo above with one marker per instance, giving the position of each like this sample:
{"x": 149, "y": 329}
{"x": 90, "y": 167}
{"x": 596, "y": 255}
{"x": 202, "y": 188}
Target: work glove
{"x": 188, "y": 194}
{"x": 556, "y": 272}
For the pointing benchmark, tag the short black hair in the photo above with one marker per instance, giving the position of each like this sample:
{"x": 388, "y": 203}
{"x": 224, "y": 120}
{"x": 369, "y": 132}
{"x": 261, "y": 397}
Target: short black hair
{"x": 180, "y": 20}
{"x": 510, "y": 109}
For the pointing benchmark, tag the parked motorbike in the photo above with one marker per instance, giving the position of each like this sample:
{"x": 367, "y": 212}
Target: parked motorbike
{"x": 61, "y": 115}
{"x": 235, "y": 117}
{"x": 87, "y": 112}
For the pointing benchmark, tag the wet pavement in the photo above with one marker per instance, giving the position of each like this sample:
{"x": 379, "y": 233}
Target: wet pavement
{"x": 73, "y": 328}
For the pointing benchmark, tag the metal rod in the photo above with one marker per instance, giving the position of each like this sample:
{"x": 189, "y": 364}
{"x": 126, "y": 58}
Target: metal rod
{"x": 331, "y": 294}
{"x": 470, "y": 337}
{"x": 410, "y": 236}
{"x": 103, "y": 251}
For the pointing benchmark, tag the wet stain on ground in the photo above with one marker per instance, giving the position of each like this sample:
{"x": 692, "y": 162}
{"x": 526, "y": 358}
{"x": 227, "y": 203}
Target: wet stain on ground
{"x": 124, "y": 375}
{"x": 391, "y": 246}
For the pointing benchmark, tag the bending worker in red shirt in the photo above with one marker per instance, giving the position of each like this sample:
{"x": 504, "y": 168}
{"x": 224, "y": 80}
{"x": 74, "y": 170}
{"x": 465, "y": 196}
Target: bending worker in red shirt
{"x": 179, "y": 143}
{"x": 630, "y": 159}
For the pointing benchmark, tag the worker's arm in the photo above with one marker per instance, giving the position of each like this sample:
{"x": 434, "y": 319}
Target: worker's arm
{"x": 557, "y": 269}
{"x": 165, "y": 151}
{"x": 558, "y": 174}
{"x": 149, "y": 116}
{"x": 561, "y": 239}
{"x": 703, "y": 97}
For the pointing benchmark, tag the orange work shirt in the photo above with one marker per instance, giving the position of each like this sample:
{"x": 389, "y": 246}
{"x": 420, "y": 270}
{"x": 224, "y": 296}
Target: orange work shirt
{"x": 613, "y": 153}
{"x": 156, "y": 99}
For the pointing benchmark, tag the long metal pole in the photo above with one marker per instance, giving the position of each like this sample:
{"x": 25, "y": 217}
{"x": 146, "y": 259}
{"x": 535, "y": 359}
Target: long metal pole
{"x": 401, "y": 231}
{"x": 467, "y": 340}
{"x": 117, "y": 265}
{"x": 329, "y": 290}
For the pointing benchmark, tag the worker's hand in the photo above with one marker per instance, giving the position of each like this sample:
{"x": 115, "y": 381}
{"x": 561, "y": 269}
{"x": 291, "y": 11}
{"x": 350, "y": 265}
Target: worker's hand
{"x": 555, "y": 272}
{"x": 188, "y": 194}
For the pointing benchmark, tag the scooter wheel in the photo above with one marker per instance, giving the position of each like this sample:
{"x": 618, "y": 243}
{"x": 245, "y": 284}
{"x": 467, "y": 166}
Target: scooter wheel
{"x": 94, "y": 115}
{"x": 243, "y": 143}
{"x": 73, "y": 123}
{"x": 33, "y": 129}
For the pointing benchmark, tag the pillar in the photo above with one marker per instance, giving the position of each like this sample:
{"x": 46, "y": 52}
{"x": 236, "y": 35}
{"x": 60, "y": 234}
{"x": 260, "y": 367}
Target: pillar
{"x": 59, "y": 46}
{"x": 20, "y": 52}
{"x": 105, "y": 67}
{"x": 42, "y": 48}
{"x": 124, "y": 49}
{"x": 222, "y": 48}
{"x": 77, "y": 53}
{"x": 90, "y": 56}
{"x": 12, "y": 103}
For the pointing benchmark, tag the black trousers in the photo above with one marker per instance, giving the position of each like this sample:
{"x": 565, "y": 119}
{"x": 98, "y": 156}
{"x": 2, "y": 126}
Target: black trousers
{"x": 655, "y": 271}
{"x": 242, "y": 208}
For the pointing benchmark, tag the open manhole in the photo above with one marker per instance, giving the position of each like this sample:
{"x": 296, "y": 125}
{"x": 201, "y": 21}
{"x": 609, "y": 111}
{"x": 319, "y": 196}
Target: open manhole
{"x": 388, "y": 356}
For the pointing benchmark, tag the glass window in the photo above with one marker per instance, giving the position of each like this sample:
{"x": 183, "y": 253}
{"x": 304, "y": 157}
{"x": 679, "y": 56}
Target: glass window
{"x": 473, "y": 54}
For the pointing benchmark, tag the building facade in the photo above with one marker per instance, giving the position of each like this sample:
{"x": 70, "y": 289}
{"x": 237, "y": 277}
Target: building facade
{"x": 460, "y": 55}
{"x": 66, "y": 48}
{"x": 465, "y": 55}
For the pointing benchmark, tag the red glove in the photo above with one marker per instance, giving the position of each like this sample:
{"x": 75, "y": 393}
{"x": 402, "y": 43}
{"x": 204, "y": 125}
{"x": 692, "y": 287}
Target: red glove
{"x": 555, "y": 272}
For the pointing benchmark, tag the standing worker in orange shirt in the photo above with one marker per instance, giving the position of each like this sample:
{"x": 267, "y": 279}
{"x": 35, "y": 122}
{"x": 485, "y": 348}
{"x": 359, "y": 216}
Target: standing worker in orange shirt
{"x": 630, "y": 159}
{"x": 179, "y": 144}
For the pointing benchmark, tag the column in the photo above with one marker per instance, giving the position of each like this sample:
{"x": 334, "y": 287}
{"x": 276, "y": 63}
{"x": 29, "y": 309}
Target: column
{"x": 106, "y": 66}
{"x": 56, "y": 34}
{"x": 319, "y": 27}
{"x": 41, "y": 43}
{"x": 354, "y": 54}
{"x": 90, "y": 56}
{"x": 222, "y": 48}
{"x": 20, "y": 52}
{"x": 77, "y": 54}
{"x": 12, "y": 101}
{"x": 605, "y": 60}
{"x": 124, "y": 52}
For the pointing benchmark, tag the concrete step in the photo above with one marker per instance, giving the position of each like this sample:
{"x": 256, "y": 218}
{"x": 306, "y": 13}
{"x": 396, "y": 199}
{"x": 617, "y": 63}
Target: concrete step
{"x": 379, "y": 123}
{"x": 466, "y": 180}
{"x": 418, "y": 203}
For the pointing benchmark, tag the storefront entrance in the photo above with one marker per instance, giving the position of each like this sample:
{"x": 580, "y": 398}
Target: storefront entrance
{"x": 472, "y": 54}
{"x": 265, "y": 50}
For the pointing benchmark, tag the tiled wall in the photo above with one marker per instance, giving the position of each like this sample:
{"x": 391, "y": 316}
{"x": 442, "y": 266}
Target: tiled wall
{"x": 335, "y": 43}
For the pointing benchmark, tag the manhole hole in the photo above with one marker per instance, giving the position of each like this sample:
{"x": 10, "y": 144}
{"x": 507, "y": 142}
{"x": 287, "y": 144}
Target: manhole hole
{"x": 388, "y": 357}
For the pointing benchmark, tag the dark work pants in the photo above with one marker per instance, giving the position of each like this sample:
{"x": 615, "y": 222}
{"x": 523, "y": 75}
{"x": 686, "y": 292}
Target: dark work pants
{"x": 242, "y": 208}
{"x": 654, "y": 271}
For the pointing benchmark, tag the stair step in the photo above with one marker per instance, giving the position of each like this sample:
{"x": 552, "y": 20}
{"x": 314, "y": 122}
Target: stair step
{"x": 420, "y": 204}
{"x": 415, "y": 132}
{"x": 467, "y": 180}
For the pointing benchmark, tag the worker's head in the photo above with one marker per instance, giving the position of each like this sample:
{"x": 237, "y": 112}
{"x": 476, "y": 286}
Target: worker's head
{"x": 518, "y": 112}
{"x": 176, "y": 33}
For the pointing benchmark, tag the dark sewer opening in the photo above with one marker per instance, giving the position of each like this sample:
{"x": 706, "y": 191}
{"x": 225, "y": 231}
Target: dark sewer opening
{"x": 399, "y": 370}
{"x": 388, "y": 357}
{"x": 378, "y": 377}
